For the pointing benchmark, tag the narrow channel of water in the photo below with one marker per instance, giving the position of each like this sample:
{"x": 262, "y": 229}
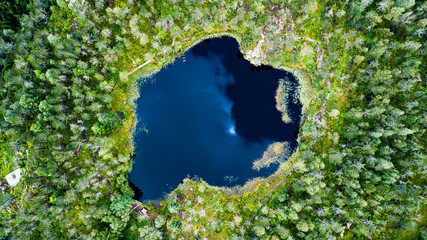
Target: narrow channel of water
{"x": 210, "y": 114}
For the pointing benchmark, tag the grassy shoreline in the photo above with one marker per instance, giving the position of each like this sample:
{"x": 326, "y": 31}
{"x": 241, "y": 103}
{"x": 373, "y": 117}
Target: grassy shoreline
{"x": 302, "y": 77}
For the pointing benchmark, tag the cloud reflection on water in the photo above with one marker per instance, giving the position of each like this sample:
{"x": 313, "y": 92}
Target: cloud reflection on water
{"x": 191, "y": 130}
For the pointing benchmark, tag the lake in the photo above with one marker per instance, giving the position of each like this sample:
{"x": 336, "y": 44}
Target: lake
{"x": 209, "y": 114}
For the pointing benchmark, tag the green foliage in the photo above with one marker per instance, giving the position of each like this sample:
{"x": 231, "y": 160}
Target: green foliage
{"x": 121, "y": 205}
{"x": 259, "y": 230}
{"x": 3, "y": 234}
{"x": 150, "y": 233}
{"x": 36, "y": 127}
{"x": 11, "y": 12}
{"x": 106, "y": 123}
{"x": 173, "y": 208}
{"x": 176, "y": 226}
{"x": 160, "y": 221}
{"x": 359, "y": 171}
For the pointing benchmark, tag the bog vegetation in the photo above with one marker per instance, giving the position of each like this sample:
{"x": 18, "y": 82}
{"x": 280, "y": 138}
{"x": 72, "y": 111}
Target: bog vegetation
{"x": 66, "y": 115}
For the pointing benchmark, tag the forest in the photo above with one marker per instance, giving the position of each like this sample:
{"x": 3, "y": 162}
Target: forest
{"x": 69, "y": 77}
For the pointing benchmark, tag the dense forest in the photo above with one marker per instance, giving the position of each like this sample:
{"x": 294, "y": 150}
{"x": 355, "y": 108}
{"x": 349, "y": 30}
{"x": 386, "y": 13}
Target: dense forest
{"x": 69, "y": 76}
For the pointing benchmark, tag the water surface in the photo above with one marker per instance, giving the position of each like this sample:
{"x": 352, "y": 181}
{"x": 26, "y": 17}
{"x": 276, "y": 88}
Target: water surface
{"x": 210, "y": 114}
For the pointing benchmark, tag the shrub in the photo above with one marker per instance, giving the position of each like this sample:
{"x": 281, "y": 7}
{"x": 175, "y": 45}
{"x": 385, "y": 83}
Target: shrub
{"x": 160, "y": 221}
{"x": 176, "y": 226}
{"x": 105, "y": 124}
{"x": 121, "y": 205}
{"x": 259, "y": 230}
{"x": 173, "y": 208}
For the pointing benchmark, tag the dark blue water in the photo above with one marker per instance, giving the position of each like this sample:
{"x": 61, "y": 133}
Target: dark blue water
{"x": 210, "y": 114}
